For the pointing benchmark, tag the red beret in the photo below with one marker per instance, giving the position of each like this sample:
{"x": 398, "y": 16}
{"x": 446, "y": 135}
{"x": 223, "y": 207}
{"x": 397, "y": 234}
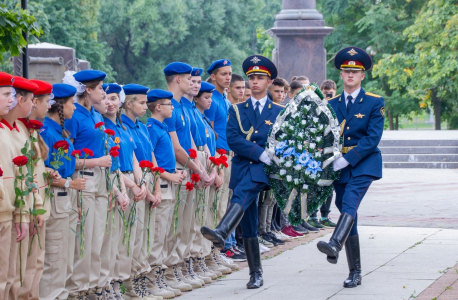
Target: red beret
{"x": 6, "y": 79}
{"x": 44, "y": 87}
{"x": 24, "y": 84}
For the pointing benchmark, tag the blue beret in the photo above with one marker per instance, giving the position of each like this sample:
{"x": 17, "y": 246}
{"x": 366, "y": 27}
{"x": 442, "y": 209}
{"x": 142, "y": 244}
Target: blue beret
{"x": 177, "y": 68}
{"x": 197, "y": 71}
{"x": 259, "y": 65}
{"x": 63, "y": 90}
{"x": 113, "y": 88}
{"x": 104, "y": 86}
{"x": 135, "y": 89}
{"x": 218, "y": 64}
{"x": 157, "y": 94}
{"x": 352, "y": 58}
{"x": 206, "y": 87}
{"x": 89, "y": 75}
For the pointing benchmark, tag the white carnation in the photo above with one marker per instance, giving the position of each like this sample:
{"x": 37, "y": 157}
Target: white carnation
{"x": 291, "y": 127}
{"x": 283, "y": 135}
{"x": 318, "y": 154}
{"x": 289, "y": 178}
{"x": 315, "y": 120}
{"x": 305, "y": 187}
{"x": 297, "y": 167}
{"x": 318, "y": 139}
{"x": 282, "y": 159}
{"x": 313, "y": 176}
{"x": 300, "y": 134}
{"x": 296, "y": 181}
{"x": 288, "y": 164}
{"x": 282, "y": 172}
{"x": 299, "y": 147}
{"x": 303, "y": 122}
{"x": 312, "y": 130}
{"x": 312, "y": 145}
{"x": 291, "y": 142}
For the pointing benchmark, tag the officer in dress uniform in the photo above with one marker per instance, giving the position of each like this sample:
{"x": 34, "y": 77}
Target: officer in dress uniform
{"x": 361, "y": 115}
{"x": 247, "y": 130}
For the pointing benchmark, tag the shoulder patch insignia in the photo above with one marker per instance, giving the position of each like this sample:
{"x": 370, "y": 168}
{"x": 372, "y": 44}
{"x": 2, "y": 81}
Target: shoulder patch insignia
{"x": 373, "y": 95}
{"x": 382, "y": 111}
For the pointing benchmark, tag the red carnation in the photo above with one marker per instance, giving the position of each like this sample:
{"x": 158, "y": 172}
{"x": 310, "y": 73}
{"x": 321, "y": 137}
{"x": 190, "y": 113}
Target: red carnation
{"x": 110, "y": 132}
{"x": 76, "y": 153}
{"x": 159, "y": 169}
{"x": 97, "y": 125}
{"x": 61, "y": 144}
{"x": 215, "y": 161}
{"x": 34, "y": 124}
{"x": 146, "y": 164}
{"x": 192, "y": 153}
{"x": 20, "y": 160}
{"x": 223, "y": 162}
{"x": 88, "y": 152}
{"x": 1, "y": 172}
{"x": 223, "y": 158}
{"x": 189, "y": 186}
{"x": 221, "y": 152}
{"x": 114, "y": 152}
{"x": 195, "y": 177}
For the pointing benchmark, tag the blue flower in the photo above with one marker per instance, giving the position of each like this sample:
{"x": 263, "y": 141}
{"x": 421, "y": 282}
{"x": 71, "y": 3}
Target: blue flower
{"x": 304, "y": 158}
{"x": 289, "y": 152}
{"x": 314, "y": 166}
{"x": 280, "y": 147}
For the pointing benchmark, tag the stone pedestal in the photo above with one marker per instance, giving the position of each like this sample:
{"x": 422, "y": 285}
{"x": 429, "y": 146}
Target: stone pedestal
{"x": 48, "y": 62}
{"x": 299, "y": 33}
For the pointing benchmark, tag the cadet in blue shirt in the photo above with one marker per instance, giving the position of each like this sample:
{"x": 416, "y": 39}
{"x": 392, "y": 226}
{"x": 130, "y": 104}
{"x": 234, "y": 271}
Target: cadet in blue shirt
{"x": 161, "y": 107}
{"x": 63, "y": 212}
{"x": 83, "y": 134}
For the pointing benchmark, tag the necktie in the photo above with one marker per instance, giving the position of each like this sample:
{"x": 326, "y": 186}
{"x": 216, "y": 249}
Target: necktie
{"x": 350, "y": 103}
{"x": 257, "y": 113}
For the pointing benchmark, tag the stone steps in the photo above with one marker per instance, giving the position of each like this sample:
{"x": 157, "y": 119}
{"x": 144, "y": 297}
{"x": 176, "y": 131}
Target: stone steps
{"x": 430, "y": 154}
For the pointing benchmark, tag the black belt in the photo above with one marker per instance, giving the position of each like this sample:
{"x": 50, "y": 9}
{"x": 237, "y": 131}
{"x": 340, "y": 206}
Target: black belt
{"x": 127, "y": 172}
{"x": 228, "y": 152}
{"x": 164, "y": 186}
{"x": 87, "y": 173}
{"x": 200, "y": 148}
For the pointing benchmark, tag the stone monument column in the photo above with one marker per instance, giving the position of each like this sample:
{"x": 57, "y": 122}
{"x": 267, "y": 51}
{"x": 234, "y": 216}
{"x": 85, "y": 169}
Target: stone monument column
{"x": 299, "y": 33}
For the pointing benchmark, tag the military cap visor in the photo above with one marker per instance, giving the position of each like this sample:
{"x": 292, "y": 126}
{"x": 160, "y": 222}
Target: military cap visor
{"x": 259, "y": 65}
{"x": 352, "y": 58}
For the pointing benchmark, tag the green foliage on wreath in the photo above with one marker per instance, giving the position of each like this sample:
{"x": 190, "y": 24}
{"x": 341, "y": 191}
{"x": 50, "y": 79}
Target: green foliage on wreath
{"x": 299, "y": 149}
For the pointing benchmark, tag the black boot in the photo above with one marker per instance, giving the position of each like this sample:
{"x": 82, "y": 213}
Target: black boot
{"x": 354, "y": 262}
{"x": 338, "y": 238}
{"x": 230, "y": 220}
{"x": 253, "y": 256}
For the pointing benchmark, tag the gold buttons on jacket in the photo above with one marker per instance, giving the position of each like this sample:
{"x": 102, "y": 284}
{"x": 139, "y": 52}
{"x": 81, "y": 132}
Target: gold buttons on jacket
{"x": 254, "y": 141}
{"x": 256, "y": 131}
{"x": 348, "y": 128}
{"x": 349, "y": 138}
{"x": 251, "y": 162}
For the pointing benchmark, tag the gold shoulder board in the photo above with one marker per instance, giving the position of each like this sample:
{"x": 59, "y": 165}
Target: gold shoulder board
{"x": 373, "y": 95}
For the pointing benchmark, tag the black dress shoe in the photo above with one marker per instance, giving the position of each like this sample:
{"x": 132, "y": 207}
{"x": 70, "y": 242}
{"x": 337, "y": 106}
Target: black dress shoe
{"x": 253, "y": 256}
{"x": 228, "y": 223}
{"x": 268, "y": 238}
{"x": 275, "y": 239}
{"x": 354, "y": 262}
{"x": 338, "y": 238}
{"x": 300, "y": 229}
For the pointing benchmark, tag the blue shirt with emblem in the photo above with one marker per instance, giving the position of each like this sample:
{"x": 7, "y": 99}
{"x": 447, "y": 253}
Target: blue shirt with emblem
{"x": 139, "y": 133}
{"x": 180, "y": 123}
{"x": 125, "y": 161}
{"x": 209, "y": 134}
{"x": 52, "y": 133}
{"x": 217, "y": 113}
{"x": 162, "y": 142}
{"x": 199, "y": 139}
{"x": 82, "y": 129}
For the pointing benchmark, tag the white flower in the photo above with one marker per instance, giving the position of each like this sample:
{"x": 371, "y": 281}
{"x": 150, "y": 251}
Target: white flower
{"x": 282, "y": 159}
{"x": 315, "y": 120}
{"x": 318, "y": 139}
{"x": 317, "y": 154}
{"x": 286, "y": 123}
{"x": 289, "y": 178}
{"x": 307, "y": 172}
{"x": 305, "y": 187}
{"x": 313, "y": 176}
{"x": 296, "y": 181}
{"x": 312, "y": 145}
{"x": 291, "y": 127}
{"x": 300, "y": 134}
{"x": 299, "y": 147}
{"x": 297, "y": 167}
{"x": 288, "y": 164}
{"x": 283, "y": 135}
{"x": 320, "y": 126}
{"x": 282, "y": 172}
{"x": 291, "y": 142}
{"x": 303, "y": 122}
{"x": 312, "y": 130}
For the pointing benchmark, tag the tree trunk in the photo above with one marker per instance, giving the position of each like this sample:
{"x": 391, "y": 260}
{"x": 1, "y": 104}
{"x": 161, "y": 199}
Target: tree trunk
{"x": 397, "y": 122}
{"x": 390, "y": 120}
{"x": 437, "y": 110}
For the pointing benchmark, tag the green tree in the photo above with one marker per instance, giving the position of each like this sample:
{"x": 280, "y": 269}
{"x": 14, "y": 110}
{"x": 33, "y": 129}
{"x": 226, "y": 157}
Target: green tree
{"x": 429, "y": 73}
{"x": 13, "y": 21}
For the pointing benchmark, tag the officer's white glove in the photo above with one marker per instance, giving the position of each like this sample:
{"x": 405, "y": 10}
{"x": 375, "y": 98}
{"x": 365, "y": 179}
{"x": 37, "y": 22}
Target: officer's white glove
{"x": 265, "y": 158}
{"x": 339, "y": 164}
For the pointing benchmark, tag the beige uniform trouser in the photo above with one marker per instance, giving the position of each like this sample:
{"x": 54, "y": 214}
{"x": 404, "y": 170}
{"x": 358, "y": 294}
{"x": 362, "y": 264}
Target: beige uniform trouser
{"x": 196, "y": 239}
{"x": 164, "y": 218}
{"x": 209, "y": 220}
{"x": 176, "y": 243}
{"x": 86, "y": 270}
{"x": 223, "y": 195}
{"x": 5, "y": 242}
{"x": 58, "y": 233}
{"x": 150, "y": 219}
{"x": 110, "y": 241}
{"x": 123, "y": 260}
{"x": 13, "y": 283}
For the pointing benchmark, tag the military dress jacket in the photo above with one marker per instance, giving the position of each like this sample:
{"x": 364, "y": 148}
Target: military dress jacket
{"x": 362, "y": 130}
{"x": 248, "y": 139}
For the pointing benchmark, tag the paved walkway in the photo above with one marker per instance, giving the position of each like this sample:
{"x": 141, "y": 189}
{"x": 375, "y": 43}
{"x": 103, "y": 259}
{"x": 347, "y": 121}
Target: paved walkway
{"x": 398, "y": 263}
{"x": 420, "y": 135}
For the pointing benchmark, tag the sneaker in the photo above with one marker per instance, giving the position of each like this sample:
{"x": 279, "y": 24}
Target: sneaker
{"x": 328, "y": 223}
{"x": 275, "y": 239}
{"x": 264, "y": 242}
{"x": 281, "y": 236}
{"x": 309, "y": 227}
{"x": 234, "y": 255}
{"x": 240, "y": 249}
{"x": 263, "y": 248}
{"x": 228, "y": 262}
{"x": 300, "y": 229}
{"x": 288, "y": 230}
{"x": 295, "y": 232}
{"x": 268, "y": 238}
{"x": 315, "y": 223}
